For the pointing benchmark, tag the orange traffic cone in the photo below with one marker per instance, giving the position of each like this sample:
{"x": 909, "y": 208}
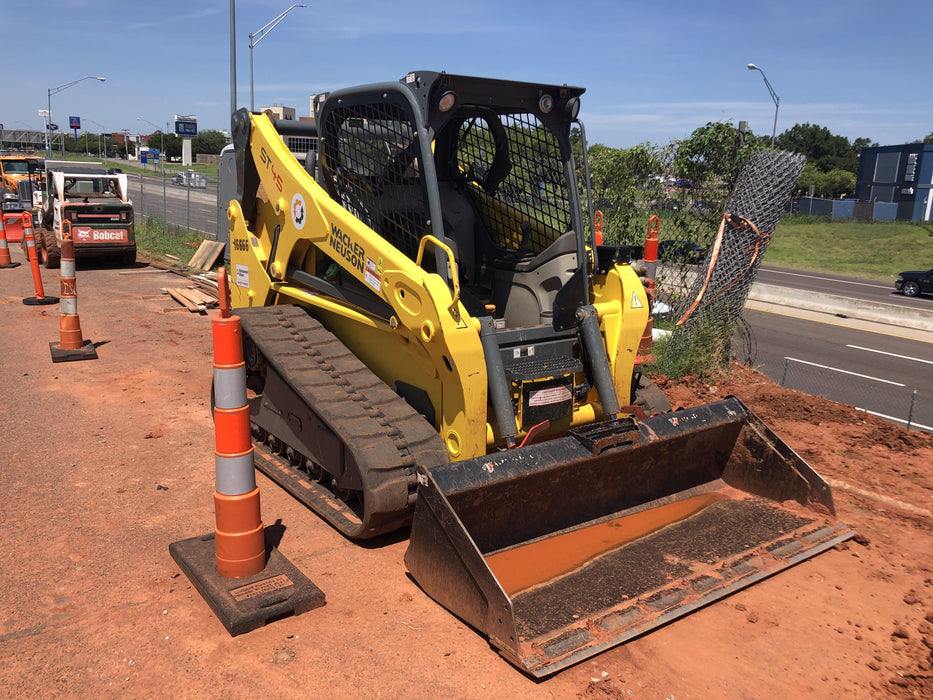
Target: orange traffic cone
{"x": 72, "y": 345}
{"x": 39, "y": 299}
{"x": 230, "y": 569}
{"x": 239, "y": 533}
{"x": 6, "y": 261}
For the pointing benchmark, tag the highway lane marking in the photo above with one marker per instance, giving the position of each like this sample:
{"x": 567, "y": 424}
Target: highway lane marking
{"x": 845, "y": 371}
{"x": 890, "y": 354}
{"x": 827, "y": 279}
{"x": 912, "y": 424}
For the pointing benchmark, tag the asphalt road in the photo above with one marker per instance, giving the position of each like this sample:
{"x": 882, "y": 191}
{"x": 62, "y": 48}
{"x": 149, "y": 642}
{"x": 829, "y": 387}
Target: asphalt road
{"x": 197, "y": 212}
{"x": 876, "y": 370}
{"x": 822, "y": 283}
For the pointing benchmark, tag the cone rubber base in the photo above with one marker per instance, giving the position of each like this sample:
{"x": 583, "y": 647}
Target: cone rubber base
{"x": 87, "y": 351}
{"x": 7, "y": 266}
{"x": 245, "y": 604}
{"x": 44, "y": 301}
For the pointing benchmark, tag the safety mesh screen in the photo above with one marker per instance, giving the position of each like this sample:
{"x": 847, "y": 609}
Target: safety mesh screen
{"x": 720, "y": 290}
{"x": 524, "y": 184}
{"x": 371, "y": 164}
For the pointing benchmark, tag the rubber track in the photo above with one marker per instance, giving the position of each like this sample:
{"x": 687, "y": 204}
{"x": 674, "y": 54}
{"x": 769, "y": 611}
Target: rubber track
{"x": 387, "y": 438}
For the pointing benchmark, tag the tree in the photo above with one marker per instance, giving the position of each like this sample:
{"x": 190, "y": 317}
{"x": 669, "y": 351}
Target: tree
{"x": 832, "y": 184}
{"x": 827, "y": 150}
{"x": 837, "y": 183}
{"x": 928, "y": 138}
{"x": 712, "y": 156}
{"x": 616, "y": 175}
{"x": 210, "y": 142}
{"x": 861, "y": 143}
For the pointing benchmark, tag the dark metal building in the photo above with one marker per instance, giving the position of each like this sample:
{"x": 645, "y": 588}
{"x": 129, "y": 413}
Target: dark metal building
{"x": 899, "y": 174}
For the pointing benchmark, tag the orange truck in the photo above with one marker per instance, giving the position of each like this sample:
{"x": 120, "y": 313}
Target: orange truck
{"x": 20, "y": 190}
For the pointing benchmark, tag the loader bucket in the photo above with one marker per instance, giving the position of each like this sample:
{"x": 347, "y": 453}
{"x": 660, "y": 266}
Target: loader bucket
{"x": 560, "y": 550}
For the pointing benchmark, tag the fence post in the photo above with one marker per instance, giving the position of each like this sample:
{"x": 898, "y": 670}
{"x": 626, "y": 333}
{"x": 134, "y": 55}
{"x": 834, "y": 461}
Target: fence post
{"x": 910, "y": 413}
{"x": 188, "y": 207}
{"x": 784, "y": 375}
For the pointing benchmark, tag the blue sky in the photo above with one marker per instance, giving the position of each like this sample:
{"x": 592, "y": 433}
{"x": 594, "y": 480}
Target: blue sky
{"x": 654, "y": 71}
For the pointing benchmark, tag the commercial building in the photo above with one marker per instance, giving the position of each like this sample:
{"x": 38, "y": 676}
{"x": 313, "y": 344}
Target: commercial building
{"x": 899, "y": 175}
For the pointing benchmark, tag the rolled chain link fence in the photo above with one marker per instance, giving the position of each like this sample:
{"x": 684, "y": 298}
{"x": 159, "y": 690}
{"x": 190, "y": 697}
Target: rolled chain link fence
{"x": 708, "y": 307}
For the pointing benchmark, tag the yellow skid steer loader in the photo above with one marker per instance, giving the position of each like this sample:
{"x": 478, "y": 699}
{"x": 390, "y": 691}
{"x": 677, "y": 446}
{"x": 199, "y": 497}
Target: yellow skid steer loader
{"x": 433, "y": 338}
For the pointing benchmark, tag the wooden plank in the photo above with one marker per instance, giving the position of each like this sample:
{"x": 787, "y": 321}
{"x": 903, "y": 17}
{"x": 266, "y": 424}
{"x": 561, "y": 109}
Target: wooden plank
{"x": 192, "y": 297}
{"x": 196, "y": 295}
{"x": 182, "y": 299}
{"x": 206, "y": 255}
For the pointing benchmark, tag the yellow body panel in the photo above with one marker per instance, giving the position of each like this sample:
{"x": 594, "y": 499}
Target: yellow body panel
{"x": 622, "y": 304}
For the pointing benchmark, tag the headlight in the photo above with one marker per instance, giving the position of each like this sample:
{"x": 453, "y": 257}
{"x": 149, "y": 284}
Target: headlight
{"x": 9, "y": 196}
{"x": 900, "y": 279}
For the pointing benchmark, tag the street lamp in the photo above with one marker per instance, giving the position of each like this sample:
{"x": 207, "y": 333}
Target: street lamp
{"x": 55, "y": 91}
{"x": 774, "y": 96}
{"x": 261, "y": 34}
{"x": 100, "y": 150}
{"x": 162, "y": 163}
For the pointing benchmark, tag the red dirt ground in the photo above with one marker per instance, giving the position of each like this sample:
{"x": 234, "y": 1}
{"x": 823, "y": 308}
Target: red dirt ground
{"x": 104, "y": 463}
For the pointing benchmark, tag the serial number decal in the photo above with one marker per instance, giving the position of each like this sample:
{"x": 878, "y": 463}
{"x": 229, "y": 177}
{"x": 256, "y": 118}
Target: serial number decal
{"x": 373, "y": 275}
{"x": 270, "y": 166}
{"x": 259, "y": 587}
{"x": 347, "y": 248}
{"x": 242, "y": 276}
{"x": 545, "y": 397}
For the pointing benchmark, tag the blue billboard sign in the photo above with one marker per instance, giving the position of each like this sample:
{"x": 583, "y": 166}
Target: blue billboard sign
{"x": 186, "y": 126}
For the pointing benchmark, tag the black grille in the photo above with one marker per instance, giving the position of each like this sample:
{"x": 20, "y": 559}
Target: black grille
{"x": 371, "y": 164}
{"x": 524, "y": 184}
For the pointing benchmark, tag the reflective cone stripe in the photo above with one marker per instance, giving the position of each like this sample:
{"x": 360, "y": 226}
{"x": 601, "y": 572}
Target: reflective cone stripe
{"x": 5, "y": 259}
{"x": 70, "y": 325}
{"x": 238, "y": 535}
{"x": 234, "y": 454}
{"x": 31, "y": 253}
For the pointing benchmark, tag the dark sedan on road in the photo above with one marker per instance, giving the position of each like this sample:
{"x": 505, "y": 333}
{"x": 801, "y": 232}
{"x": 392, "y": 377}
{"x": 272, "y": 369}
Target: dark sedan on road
{"x": 912, "y": 284}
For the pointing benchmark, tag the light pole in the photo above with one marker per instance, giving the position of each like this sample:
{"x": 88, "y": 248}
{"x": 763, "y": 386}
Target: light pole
{"x": 100, "y": 150}
{"x": 261, "y": 34}
{"x": 162, "y": 163}
{"x": 55, "y": 91}
{"x": 774, "y": 96}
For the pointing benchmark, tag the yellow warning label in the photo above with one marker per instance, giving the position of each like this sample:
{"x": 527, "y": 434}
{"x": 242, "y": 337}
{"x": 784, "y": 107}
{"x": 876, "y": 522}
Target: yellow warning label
{"x": 636, "y": 302}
